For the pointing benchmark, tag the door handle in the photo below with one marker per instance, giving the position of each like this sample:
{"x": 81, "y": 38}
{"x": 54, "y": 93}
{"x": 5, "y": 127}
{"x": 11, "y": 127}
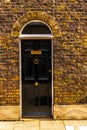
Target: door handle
{"x": 36, "y": 84}
{"x": 49, "y": 71}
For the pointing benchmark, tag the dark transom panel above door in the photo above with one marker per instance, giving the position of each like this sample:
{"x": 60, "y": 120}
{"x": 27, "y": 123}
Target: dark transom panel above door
{"x": 36, "y": 78}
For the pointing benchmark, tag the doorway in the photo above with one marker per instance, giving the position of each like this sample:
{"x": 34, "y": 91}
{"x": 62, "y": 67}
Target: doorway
{"x": 36, "y": 77}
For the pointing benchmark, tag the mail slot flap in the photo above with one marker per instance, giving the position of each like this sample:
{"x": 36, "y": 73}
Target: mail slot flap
{"x": 36, "y": 52}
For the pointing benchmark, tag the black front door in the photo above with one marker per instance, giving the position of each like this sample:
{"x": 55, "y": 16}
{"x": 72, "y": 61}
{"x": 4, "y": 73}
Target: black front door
{"x": 36, "y": 78}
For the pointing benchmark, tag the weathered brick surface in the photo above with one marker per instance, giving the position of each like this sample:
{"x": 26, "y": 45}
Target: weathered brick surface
{"x": 70, "y": 48}
{"x": 71, "y": 53}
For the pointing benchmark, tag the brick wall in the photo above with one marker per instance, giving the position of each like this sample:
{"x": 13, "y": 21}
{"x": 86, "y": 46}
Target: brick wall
{"x": 70, "y": 49}
{"x": 70, "y": 62}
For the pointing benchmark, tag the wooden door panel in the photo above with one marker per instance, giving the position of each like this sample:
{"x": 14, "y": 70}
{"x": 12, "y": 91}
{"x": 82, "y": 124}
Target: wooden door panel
{"x": 36, "y": 77}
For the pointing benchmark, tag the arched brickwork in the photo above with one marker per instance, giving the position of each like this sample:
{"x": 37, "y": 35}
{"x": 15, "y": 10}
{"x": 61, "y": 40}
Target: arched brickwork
{"x": 42, "y": 16}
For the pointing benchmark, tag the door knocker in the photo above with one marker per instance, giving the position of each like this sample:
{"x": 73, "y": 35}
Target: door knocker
{"x": 36, "y": 61}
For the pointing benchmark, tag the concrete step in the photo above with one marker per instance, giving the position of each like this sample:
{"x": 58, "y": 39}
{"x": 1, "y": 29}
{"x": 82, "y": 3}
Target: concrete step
{"x": 44, "y": 125}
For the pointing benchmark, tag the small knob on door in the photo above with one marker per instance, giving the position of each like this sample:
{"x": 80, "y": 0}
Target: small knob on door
{"x": 49, "y": 71}
{"x": 36, "y": 84}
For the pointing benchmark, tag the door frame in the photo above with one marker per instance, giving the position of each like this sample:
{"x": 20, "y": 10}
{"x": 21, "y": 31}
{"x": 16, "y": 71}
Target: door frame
{"x": 38, "y": 36}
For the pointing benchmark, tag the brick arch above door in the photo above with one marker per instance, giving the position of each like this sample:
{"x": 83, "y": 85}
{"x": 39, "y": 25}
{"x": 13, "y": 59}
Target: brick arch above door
{"x": 36, "y": 15}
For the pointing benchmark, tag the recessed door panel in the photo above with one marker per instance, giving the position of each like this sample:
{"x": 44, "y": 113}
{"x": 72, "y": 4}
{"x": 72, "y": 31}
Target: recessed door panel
{"x": 36, "y": 78}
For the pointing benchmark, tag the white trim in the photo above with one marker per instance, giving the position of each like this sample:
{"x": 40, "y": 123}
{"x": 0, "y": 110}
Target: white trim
{"x": 52, "y": 93}
{"x": 20, "y": 80}
{"x": 36, "y": 36}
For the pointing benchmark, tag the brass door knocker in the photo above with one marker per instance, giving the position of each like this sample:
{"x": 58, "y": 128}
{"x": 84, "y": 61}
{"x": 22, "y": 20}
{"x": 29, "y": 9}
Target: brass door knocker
{"x": 36, "y": 61}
